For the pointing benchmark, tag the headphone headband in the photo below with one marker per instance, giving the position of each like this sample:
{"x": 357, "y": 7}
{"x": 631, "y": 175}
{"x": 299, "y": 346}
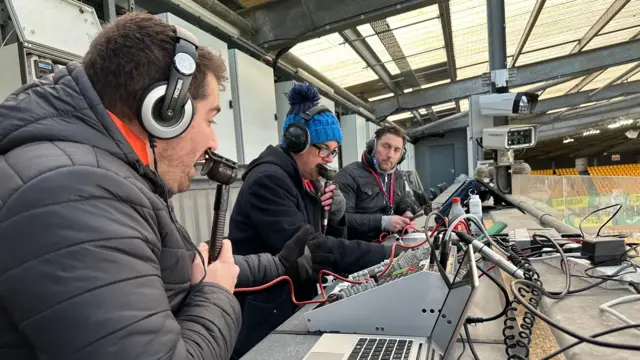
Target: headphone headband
{"x": 309, "y": 114}
{"x": 182, "y": 70}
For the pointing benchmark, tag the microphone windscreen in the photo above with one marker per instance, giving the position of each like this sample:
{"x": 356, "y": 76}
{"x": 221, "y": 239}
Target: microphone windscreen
{"x": 482, "y": 172}
{"x": 521, "y": 168}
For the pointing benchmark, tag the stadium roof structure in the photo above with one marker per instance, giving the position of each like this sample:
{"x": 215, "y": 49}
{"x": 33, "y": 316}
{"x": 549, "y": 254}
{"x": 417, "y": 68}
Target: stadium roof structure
{"x": 415, "y": 63}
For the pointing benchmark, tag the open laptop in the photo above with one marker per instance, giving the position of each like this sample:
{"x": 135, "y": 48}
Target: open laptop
{"x": 440, "y": 343}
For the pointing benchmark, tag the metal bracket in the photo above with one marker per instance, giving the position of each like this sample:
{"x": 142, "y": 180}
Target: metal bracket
{"x": 503, "y": 76}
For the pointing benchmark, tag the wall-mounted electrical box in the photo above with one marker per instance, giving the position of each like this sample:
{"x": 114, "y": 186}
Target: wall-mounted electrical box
{"x": 254, "y": 105}
{"x": 36, "y": 45}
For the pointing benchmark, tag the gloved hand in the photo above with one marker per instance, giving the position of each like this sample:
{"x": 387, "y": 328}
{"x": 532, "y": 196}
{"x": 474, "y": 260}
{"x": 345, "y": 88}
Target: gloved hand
{"x": 338, "y": 207}
{"x": 333, "y": 201}
{"x": 293, "y": 257}
{"x": 322, "y": 257}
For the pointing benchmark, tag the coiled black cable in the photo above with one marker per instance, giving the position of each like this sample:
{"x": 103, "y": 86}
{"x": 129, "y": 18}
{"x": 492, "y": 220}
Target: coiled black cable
{"x": 517, "y": 341}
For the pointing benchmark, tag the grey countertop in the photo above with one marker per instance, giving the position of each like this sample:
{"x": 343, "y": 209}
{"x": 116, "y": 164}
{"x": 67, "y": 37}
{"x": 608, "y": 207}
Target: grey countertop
{"x": 580, "y": 312}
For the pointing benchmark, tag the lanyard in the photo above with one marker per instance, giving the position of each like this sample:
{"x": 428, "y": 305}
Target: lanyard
{"x": 308, "y": 186}
{"x": 388, "y": 198}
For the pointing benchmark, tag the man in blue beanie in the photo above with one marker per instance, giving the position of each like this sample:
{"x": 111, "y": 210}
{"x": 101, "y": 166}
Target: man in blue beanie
{"x": 281, "y": 194}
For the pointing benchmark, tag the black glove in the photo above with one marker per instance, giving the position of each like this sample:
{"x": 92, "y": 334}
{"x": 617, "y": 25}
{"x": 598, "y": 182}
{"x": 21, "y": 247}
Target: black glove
{"x": 322, "y": 257}
{"x": 297, "y": 264}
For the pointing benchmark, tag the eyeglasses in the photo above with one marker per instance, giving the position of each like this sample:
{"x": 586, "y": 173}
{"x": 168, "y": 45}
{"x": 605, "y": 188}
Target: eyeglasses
{"x": 324, "y": 152}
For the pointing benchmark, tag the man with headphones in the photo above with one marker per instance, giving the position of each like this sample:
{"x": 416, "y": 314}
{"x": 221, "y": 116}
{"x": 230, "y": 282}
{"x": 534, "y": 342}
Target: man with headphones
{"x": 280, "y": 194}
{"x": 93, "y": 263}
{"x": 377, "y": 199}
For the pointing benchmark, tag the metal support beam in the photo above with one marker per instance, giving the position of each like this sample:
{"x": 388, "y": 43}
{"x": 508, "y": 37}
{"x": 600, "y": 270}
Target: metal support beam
{"x": 570, "y": 65}
{"x": 619, "y": 79}
{"x": 533, "y": 18}
{"x": 297, "y": 63}
{"x": 595, "y": 29}
{"x": 461, "y": 120}
{"x": 109, "y": 7}
{"x": 285, "y": 23}
{"x": 360, "y": 45}
{"x": 578, "y": 99}
{"x": 496, "y": 27}
{"x": 447, "y": 34}
{"x": 569, "y": 127}
{"x": 216, "y": 8}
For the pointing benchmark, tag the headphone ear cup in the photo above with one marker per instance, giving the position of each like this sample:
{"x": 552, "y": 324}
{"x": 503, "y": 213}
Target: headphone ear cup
{"x": 149, "y": 114}
{"x": 369, "y": 147}
{"x": 296, "y": 138}
{"x": 403, "y": 156}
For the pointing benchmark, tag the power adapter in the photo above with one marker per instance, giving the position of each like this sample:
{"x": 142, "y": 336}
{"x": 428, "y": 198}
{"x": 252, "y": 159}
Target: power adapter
{"x": 599, "y": 250}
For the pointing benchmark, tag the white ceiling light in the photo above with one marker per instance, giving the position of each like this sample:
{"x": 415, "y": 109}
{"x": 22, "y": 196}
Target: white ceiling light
{"x": 591, "y": 132}
{"x": 567, "y": 140}
{"x": 620, "y": 123}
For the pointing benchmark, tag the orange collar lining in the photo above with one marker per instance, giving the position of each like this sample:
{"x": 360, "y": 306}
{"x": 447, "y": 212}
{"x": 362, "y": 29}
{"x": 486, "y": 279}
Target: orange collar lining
{"x": 138, "y": 145}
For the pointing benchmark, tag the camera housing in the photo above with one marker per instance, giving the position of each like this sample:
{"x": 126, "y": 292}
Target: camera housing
{"x": 508, "y": 104}
{"x": 509, "y": 137}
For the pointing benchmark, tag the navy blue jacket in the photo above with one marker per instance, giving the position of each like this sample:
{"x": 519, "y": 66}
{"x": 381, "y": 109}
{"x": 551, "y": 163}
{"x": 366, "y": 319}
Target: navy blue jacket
{"x": 272, "y": 205}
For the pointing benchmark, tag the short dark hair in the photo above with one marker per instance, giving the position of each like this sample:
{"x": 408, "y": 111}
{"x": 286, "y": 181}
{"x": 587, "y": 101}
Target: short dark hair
{"x": 391, "y": 130}
{"x": 135, "y": 52}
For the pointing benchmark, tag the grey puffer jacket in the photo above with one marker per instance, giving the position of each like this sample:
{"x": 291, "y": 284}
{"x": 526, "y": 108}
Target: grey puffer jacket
{"x": 365, "y": 200}
{"x": 92, "y": 265}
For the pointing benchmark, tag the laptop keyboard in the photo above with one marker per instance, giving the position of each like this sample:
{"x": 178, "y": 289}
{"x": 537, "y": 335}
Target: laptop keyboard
{"x": 381, "y": 349}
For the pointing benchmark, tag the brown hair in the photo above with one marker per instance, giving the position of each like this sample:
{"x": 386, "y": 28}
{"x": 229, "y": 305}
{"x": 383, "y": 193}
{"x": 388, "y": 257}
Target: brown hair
{"x": 391, "y": 130}
{"x": 135, "y": 52}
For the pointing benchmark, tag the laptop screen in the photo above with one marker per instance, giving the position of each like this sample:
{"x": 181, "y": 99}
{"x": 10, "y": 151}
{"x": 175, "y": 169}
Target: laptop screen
{"x": 455, "y": 306}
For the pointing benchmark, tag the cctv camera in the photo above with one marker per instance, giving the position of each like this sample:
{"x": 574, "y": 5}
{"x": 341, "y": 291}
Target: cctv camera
{"x": 508, "y": 104}
{"x": 509, "y": 137}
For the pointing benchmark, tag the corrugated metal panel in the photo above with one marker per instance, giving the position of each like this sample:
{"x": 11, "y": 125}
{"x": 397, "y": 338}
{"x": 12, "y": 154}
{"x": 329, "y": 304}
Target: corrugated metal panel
{"x": 194, "y": 210}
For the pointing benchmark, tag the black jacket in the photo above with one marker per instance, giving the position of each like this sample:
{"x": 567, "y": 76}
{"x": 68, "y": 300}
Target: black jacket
{"x": 92, "y": 264}
{"x": 365, "y": 200}
{"x": 271, "y": 206}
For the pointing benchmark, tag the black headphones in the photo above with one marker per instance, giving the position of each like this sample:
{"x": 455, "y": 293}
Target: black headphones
{"x": 166, "y": 109}
{"x": 296, "y": 135}
{"x": 371, "y": 146}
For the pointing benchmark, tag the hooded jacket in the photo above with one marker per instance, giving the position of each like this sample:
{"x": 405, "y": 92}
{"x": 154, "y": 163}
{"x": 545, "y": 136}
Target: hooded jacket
{"x": 93, "y": 264}
{"x": 365, "y": 200}
{"x": 271, "y": 206}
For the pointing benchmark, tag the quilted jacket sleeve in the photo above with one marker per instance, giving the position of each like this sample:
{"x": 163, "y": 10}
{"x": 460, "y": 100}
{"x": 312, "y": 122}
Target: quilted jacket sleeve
{"x": 257, "y": 270}
{"x": 80, "y": 276}
{"x": 361, "y": 226}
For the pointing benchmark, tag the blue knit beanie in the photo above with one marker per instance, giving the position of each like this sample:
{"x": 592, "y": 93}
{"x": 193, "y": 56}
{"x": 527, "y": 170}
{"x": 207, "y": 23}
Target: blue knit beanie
{"x": 323, "y": 126}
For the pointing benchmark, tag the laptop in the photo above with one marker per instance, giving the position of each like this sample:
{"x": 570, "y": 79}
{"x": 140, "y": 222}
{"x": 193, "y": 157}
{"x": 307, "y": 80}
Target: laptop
{"x": 440, "y": 343}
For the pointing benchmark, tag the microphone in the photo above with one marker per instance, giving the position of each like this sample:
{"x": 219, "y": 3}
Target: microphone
{"x": 328, "y": 174}
{"x": 483, "y": 172}
{"x": 490, "y": 255}
{"x": 520, "y": 168}
{"x": 223, "y": 171}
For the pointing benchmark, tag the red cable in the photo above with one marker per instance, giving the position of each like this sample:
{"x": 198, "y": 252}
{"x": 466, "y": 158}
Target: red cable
{"x": 324, "y": 296}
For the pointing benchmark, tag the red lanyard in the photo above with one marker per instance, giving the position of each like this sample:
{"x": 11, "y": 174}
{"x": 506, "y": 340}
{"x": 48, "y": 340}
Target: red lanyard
{"x": 308, "y": 186}
{"x": 388, "y": 198}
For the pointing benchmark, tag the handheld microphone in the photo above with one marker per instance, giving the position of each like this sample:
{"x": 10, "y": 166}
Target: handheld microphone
{"x": 491, "y": 255}
{"x": 223, "y": 171}
{"x": 328, "y": 174}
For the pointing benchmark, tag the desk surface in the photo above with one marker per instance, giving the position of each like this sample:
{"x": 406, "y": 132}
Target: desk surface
{"x": 292, "y": 341}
